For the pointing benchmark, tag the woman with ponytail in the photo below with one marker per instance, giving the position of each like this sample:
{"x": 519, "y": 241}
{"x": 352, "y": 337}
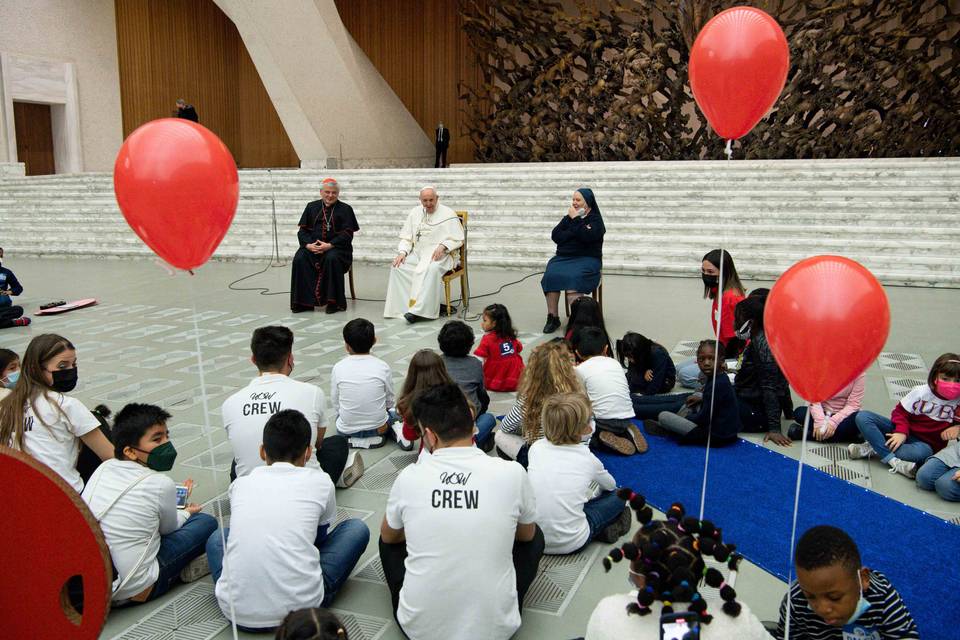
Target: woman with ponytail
{"x": 668, "y": 568}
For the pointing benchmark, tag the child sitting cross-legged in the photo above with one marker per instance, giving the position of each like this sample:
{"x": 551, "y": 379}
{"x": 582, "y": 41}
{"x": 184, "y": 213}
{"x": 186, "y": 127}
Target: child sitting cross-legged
{"x": 455, "y": 340}
{"x": 281, "y": 554}
{"x": 500, "y": 350}
{"x": 835, "y": 596}
{"x": 717, "y": 419}
{"x": 152, "y": 543}
{"x": 609, "y": 394}
{"x": 915, "y": 429}
{"x": 561, "y": 469}
{"x": 361, "y": 389}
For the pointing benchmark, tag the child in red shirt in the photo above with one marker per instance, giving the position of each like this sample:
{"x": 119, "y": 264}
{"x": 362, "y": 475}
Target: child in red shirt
{"x": 500, "y": 350}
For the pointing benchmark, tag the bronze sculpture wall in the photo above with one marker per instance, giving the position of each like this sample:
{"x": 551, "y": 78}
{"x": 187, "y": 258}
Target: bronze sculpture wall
{"x": 868, "y": 78}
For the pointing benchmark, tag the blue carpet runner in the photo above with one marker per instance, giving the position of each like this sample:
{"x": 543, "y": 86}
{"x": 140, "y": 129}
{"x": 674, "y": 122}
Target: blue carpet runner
{"x": 750, "y": 493}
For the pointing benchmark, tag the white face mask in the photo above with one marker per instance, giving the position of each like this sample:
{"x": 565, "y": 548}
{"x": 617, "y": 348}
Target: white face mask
{"x": 862, "y": 604}
{"x": 744, "y": 331}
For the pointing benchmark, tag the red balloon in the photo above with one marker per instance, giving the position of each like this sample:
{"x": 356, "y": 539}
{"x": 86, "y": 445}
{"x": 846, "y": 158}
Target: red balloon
{"x": 826, "y": 319}
{"x": 177, "y": 186}
{"x": 738, "y": 66}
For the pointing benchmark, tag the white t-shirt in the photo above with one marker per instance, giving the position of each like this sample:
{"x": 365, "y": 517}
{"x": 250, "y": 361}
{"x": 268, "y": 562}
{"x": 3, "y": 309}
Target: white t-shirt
{"x": 459, "y": 510}
{"x": 272, "y": 566}
{"x": 361, "y": 391}
{"x": 607, "y": 387}
{"x": 246, "y": 412}
{"x": 610, "y": 621}
{"x": 561, "y": 476}
{"x": 133, "y": 525}
{"x": 53, "y": 436}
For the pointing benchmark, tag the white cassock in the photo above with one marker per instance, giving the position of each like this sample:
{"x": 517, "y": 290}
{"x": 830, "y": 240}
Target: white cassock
{"x": 416, "y": 286}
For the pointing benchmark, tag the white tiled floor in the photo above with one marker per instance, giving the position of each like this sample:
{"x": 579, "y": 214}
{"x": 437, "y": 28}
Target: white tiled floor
{"x": 139, "y": 344}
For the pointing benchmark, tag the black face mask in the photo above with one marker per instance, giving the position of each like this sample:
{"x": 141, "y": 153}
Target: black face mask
{"x": 710, "y": 281}
{"x": 65, "y": 380}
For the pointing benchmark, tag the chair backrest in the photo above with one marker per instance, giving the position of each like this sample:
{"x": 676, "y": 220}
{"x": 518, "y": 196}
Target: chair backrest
{"x": 464, "y": 216}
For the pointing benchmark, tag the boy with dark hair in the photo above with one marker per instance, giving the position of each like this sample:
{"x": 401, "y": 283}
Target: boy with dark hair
{"x": 455, "y": 340}
{"x": 246, "y": 411}
{"x": 609, "y": 393}
{"x": 152, "y": 543}
{"x": 456, "y": 513}
{"x": 10, "y": 315}
{"x": 835, "y": 597}
{"x": 281, "y": 555}
{"x": 361, "y": 389}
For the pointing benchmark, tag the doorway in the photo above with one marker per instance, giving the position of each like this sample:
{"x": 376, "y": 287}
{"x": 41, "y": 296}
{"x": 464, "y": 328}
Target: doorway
{"x": 34, "y": 127}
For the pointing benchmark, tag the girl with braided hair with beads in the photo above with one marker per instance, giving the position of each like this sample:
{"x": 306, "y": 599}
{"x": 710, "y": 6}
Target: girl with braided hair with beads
{"x": 667, "y": 567}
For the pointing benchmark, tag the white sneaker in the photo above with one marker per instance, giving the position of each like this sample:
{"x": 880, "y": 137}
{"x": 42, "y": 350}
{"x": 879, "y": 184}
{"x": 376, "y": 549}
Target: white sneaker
{"x": 405, "y": 444}
{"x": 351, "y": 472}
{"x": 196, "y": 569}
{"x": 860, "y": 450}
{"x": 366, "y": 443}
{"x": 903, "y": 467}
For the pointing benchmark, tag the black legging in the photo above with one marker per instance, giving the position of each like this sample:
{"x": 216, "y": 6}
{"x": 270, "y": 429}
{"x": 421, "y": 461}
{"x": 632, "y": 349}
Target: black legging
{"x": 526, "y": 561}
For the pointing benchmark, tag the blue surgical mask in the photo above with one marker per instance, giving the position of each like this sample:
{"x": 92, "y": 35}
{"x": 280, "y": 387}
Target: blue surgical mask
{"x": 12, "y": 380}
{"x": 862, "y": 604}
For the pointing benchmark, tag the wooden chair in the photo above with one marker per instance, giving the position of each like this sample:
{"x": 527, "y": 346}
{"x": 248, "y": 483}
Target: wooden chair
{"x": 353, "y": 292}
{"x": 597, "y": 295}
{"x": 459, "y": 269}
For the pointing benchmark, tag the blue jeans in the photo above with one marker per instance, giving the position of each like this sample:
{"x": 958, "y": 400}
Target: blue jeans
{"x": 688, "y": 374}
{"x": 649, "y": 407}
{"x": 485, "y": 424}
{"x": 846, "y": 431}
{"x": 874, "y": 428}
{"x": 934, "y": 475}
{"x": 392, "y": 416}
{"x": 179, "y": 548}
{"x": 602, "y": 511}
{"x": 340, "y": 550}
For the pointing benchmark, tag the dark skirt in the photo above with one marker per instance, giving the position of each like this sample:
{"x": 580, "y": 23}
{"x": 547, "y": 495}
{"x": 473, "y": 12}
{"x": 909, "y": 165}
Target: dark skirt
{"x": 572, "y": 273}
{"x": 318, "y": 280}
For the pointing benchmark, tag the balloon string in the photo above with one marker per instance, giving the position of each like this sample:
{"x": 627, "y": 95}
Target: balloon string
{"x": 713, "y": 388}
{"x": 209, "y": 434}
{"x": 729, "y": 150}
{"x": 796, "y": 509}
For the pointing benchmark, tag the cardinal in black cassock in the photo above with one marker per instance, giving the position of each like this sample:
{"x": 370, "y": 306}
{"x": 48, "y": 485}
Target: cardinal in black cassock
{"x": 327, "y": 225}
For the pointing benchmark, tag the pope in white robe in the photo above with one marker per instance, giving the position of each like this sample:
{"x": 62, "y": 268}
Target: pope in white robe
{"x": 429, "y": 237}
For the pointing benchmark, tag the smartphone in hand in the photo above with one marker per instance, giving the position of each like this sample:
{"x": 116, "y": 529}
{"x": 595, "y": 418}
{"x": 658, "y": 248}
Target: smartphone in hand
{"x": 680, "y": 626}
{"x": 182, "y": 494}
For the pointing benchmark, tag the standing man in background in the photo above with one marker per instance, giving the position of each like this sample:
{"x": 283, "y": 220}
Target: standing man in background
{"x": 442, "y": 139}
{"x": 186, "y": 111}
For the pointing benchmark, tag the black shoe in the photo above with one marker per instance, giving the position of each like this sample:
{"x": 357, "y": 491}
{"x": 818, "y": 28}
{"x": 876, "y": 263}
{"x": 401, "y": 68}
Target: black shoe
{"x": 299, "y": 308}
{"x": 654, "y": 429}
{"x": 619, "y": 527}
{"x": 409, "y": 317}
{"x": 795, "y": 431}
{"x": 443, "y": 311}
{"x": 553, "y": 323}
{"x": 332, "y": 308}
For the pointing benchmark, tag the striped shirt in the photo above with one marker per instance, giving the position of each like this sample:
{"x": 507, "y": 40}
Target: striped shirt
{"x": 886, "y": 619}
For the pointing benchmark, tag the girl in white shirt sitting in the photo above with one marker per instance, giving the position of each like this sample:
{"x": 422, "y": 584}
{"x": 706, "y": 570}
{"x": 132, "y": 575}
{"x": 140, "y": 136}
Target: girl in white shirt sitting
{"x": 151, "y": 541}
{"x": 668, "y": 566}
{"x": 561, "y": 470}
{"x": 39, "y": 419}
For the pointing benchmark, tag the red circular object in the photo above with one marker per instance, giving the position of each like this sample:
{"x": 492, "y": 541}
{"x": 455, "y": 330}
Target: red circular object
{"x": 826, "y": 319}
{"x": 738, "y": 67}
{"x": 177, "y": 186}
{"x": 49, "y": 536}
